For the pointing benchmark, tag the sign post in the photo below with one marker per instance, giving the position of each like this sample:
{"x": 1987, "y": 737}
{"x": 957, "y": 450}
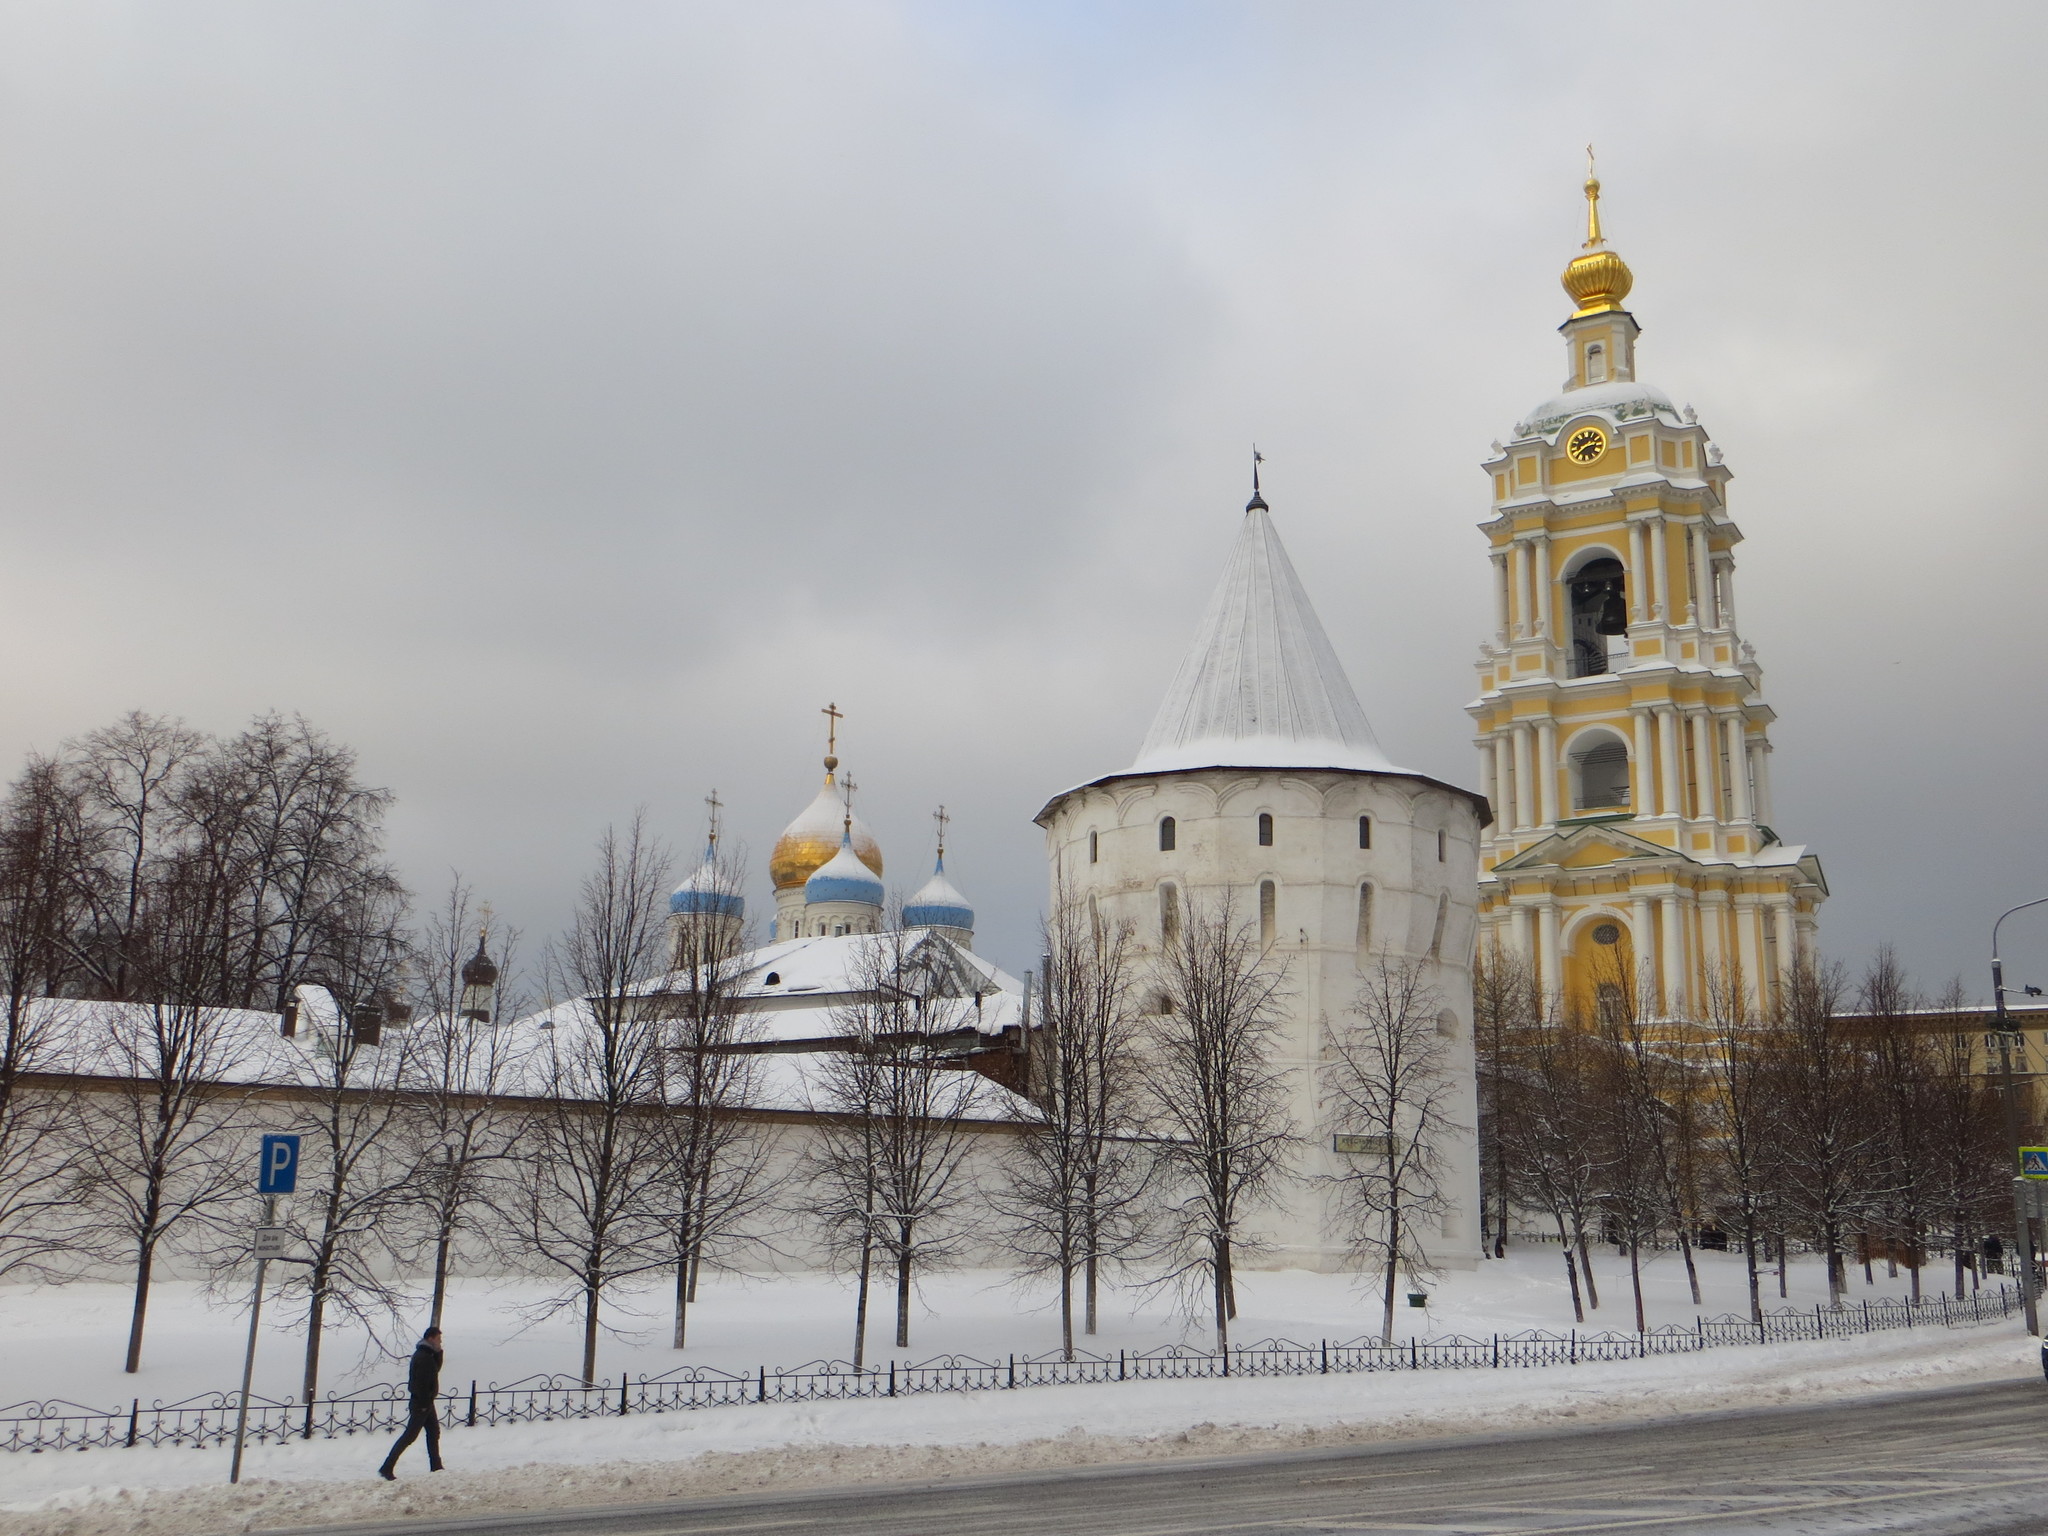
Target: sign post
{"x": 277, "y": 1174}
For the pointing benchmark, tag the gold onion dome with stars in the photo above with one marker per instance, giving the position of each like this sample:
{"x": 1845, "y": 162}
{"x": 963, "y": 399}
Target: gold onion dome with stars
{"x": 1599, "y": 280}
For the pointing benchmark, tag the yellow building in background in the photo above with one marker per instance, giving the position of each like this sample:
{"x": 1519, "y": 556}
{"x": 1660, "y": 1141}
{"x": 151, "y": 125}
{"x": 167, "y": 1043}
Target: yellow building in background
{"x": 1623, "y": 730}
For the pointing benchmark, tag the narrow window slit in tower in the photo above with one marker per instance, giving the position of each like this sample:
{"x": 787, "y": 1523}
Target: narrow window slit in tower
{"x": 1265, "y": 829}
{"x": 1365, "y": 831}
{"x": 1166, "y": 834}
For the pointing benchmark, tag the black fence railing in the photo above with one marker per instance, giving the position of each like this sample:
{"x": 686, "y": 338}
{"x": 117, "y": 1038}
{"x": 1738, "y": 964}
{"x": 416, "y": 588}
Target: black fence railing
{"x": 210, "y": 1419}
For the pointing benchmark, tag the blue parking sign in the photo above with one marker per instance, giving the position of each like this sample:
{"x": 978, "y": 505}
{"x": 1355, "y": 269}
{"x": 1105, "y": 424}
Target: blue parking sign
{"x": 279, "y": 1174}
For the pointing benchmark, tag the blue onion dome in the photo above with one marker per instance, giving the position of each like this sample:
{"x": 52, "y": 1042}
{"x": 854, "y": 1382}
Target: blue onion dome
{"x": 844, "y": 877}
{"x": 705, "y": 894}
{"x": 938, "y": 905}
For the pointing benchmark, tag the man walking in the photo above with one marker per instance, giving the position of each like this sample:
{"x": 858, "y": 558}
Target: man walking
{"x": 423, "y": 1384}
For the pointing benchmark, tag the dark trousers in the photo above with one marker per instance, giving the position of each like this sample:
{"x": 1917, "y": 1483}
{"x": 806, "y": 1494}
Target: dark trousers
{"x": 425, "y": 1416}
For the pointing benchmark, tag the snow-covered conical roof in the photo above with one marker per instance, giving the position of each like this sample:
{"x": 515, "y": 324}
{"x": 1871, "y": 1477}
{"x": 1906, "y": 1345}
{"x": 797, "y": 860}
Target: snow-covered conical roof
{"x": 1262, "y": 686}
{"x": 938, "y": 904}
{"x": 844, "y": 877}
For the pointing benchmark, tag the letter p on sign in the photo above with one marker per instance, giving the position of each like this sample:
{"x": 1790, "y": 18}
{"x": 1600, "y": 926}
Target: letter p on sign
{"x": 280, "y": 1172}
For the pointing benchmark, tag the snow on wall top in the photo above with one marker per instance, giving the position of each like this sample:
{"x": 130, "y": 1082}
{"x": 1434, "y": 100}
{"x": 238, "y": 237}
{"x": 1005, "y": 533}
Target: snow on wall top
{"x": 1261, "y": 687}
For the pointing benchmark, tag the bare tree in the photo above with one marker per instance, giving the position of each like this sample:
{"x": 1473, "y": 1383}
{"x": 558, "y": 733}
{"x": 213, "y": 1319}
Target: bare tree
{"x": 1903, "y": 1071}
{"x": 888, "y": 1172}
{"x": 355, "y": 1181}
{"x": 1736, "y": 1059}
{"x": 1825, "y": 1130}
{"x": 1073, "y": 1196}
{"x": 1553, "y": 1119}
{"x": 720, "y": 1174}
{"x": 1964, "y": 1134}
{"x": 1216, "y": 1098}
{"x": 1636, "y": 1202}
{"x": 42, "y": 859}
{"x": 159, "y": 1144}
{"x": 460, "y": 1059}
{"x": 1502, "y": 999}
{"x": 1386, "y": 1078}
{"x": 594, "y": 1167}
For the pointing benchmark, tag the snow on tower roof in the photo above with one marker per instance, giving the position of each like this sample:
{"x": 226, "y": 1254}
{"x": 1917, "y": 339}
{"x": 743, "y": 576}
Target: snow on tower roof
{"x": 1262, "y": 686}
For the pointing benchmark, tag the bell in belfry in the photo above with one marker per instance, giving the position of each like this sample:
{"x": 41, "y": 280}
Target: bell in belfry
{"x": 1613, "y": 615}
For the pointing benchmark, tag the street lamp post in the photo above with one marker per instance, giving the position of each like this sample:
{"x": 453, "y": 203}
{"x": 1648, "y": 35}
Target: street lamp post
{"x": 2021, "y": 1202}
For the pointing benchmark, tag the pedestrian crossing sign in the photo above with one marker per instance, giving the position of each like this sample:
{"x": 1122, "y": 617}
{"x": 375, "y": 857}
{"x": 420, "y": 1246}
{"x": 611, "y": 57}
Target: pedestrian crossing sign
{"x": 2034, "y": 1162}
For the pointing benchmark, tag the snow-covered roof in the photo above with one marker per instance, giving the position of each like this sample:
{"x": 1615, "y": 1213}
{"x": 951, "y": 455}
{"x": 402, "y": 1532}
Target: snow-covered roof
{"x": 1619, "y": 401}
{"x": 707, "y": 892}
{"x": 1261, "y": 687}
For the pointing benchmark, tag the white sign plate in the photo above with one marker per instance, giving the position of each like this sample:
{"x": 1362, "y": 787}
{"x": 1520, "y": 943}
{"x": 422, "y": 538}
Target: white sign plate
{"x": 273, "y": 1242}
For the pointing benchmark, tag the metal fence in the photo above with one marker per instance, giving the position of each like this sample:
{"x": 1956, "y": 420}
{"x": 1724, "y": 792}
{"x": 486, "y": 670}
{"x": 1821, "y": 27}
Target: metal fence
{"x": 210, "y": 1419}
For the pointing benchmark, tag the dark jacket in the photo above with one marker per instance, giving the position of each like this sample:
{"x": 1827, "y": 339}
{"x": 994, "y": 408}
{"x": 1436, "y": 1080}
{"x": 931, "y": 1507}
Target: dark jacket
{"x": 424, "y": 1380}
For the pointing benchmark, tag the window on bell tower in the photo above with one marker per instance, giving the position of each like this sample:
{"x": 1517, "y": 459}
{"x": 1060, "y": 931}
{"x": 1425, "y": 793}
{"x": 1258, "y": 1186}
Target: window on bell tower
{"x": 1596, "y": 364}
{"x": 1599, "y": 632}
{"x": 1600, "y": 773}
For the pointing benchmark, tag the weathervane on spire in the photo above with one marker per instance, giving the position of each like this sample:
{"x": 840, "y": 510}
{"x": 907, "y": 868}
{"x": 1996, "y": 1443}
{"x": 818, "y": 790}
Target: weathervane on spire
{"x": 1594, "y": 239}
{"x": 832, "y": 735}
{"x": 1258, "y": 501}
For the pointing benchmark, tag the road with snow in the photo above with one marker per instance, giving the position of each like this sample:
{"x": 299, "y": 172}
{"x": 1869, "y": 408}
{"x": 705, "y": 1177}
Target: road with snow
{"x": 1966, "y": 1460}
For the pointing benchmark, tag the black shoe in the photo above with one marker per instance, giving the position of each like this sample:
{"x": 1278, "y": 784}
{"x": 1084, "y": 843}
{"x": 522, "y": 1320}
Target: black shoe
{"x": 387, "y": 1474}
{"x": 437, "y": 1467}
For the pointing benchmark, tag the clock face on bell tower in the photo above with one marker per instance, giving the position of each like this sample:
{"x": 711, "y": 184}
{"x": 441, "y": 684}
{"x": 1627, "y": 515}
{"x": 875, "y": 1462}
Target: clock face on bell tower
{"x": 1587, "y": 444}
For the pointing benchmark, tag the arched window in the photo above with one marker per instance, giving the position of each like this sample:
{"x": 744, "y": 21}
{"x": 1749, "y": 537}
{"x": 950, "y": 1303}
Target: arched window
{"x": 1094, "y": 847}
{"x": 1596, "y": 363}
{"x": 1440, "y": 847}
{"x": 1265, "y": 829}
{"x": 1169, "y": 914}
{"x": 1166, "y": 834}
{"x": 1365, "y": 831}
{"x": 1436, "y": 938}
{"x": 1269, "y": 912}
{"x": 1600, "y": 773}
{"x": 1364, "y": 918}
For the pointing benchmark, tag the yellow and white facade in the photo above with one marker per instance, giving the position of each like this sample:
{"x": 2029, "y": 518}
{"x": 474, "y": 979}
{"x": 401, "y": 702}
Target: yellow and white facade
{"x": 1622, "y": 727}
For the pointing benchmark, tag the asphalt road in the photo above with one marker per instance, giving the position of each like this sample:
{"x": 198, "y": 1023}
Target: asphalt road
{"x": 1973, "y": 1460}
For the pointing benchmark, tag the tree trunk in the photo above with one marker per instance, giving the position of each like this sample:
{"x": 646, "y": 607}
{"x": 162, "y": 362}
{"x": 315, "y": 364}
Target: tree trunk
{"x": 903, "y": 1292}
{"x": 590, "y": 1292}
{"x": 1756, "y": 1296}
{"x": 1692, "y": 1273}
{"x": 1586, "y": 1269}
{"x": 1635, "y": 1279}
{"x": 316, "y": 1321}
{"x": 1067, "y": 1309}
{"x": 1219, "y": 1279}
{"x": 1782, "y": 1291}
{"x": 860, "y": 1305}
{"x": 145, "y": 1262}
{"x": 1959, "y": 1263}
{"x": 440, "y": 1279}
{"x": 1571, "y": 1271}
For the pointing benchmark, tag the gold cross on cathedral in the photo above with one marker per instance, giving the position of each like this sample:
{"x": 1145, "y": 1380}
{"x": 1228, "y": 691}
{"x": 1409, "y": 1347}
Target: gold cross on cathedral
{"x": 716, "y": 805}
{"x": 942, "y": 819}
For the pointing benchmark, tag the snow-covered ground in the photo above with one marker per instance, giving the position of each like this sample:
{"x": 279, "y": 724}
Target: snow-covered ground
{"x": 66, "y": 1342}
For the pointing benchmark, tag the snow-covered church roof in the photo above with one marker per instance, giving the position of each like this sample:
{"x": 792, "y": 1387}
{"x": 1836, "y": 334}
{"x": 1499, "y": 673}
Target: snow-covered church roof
{"x": 1262, "y": 686}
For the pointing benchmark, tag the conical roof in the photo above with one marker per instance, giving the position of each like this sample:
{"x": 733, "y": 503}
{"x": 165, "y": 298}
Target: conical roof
{"x": 1262, "y": 686}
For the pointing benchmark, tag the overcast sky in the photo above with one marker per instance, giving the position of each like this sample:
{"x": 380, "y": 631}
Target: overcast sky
{"x": 562, "y": 402}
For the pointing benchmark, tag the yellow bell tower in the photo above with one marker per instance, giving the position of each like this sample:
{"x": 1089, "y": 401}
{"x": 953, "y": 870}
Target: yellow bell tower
{"x": 1622, "y": 722}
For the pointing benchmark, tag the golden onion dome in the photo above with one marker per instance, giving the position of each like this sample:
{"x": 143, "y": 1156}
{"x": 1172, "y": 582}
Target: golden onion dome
{"x": 808, "y": 843}
{"x": 1598, "y": 280}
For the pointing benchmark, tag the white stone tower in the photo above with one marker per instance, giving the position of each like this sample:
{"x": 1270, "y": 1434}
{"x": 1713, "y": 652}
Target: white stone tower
{"x": 1261, "y": 777}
